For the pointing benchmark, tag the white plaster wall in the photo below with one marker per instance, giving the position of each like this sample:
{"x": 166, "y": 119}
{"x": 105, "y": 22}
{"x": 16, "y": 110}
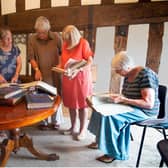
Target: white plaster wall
{"x": 103, "y": 55}
{"x": 136, "y": 48}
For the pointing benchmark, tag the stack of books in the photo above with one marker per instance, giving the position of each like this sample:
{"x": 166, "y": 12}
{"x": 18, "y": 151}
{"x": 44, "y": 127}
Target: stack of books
{"x": 39, "y": 100}
{"x": 11, "y": 94}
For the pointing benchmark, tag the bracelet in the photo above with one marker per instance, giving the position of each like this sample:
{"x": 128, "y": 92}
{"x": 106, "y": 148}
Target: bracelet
{"x": 36, "y": 69}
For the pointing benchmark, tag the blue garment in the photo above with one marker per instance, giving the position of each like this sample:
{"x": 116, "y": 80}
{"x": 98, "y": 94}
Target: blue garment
{"x": 113, "y": 132}
{"x": 8, "y": 62}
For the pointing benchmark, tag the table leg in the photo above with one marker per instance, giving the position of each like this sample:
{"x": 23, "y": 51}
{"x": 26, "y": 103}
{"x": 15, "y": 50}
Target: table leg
{"x": 7, "y": 147}
{"x": 27, "y": 142}
{"x": 15, "y": 141}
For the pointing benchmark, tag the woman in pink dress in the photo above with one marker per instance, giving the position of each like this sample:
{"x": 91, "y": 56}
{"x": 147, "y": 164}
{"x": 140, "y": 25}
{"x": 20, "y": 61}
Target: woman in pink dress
{"x": 77, "y": 85}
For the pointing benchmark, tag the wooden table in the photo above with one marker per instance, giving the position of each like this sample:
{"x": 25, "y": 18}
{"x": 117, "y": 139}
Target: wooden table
{"x": 13, "y": 119}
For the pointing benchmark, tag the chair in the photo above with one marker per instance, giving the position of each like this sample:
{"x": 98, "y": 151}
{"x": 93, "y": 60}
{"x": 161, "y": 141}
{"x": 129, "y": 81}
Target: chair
{"x": 160, "y": 123}
{"x": 163, "y": 150}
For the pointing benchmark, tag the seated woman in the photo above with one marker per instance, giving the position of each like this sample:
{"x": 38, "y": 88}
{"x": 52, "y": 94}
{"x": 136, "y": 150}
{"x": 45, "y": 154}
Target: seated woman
{"x": 140, "y": 91}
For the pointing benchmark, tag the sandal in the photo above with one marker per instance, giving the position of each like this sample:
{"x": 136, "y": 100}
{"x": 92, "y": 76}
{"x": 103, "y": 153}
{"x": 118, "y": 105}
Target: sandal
{"x": 105, "y": 159}
{"x": 93, "y": 145}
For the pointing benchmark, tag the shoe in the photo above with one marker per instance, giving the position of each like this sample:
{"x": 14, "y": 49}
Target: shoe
{"x": 54, "y": 126}
{"x": 43, "y": 127}
{"x": 80, "y": 137}
{"x": 67, "y": 132}
{"x": 93, "y": 145}
{"x": 105, "y": 159}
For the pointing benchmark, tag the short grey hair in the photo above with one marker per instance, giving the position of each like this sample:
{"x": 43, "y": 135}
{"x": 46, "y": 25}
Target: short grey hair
{"x": 42, "y": 23}
{"x": 122, "y": 61}
{"x": 72, "y": 34}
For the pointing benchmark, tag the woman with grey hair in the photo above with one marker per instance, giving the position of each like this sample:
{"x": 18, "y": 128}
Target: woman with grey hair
{"x": 140, "y": 92}
{"x": 78, "y": 85}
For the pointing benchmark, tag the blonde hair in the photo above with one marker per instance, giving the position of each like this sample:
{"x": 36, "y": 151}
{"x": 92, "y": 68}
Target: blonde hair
{"x": 42, "y": 23}
{"x": 122, "y": 61}
{"x": 72, "y": 34}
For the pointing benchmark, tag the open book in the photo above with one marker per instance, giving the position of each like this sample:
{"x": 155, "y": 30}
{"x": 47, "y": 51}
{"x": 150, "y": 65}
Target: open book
{"x": 41, "y": 86}
{"x": 70, "y": 66}
{"x": 104, "y": 105}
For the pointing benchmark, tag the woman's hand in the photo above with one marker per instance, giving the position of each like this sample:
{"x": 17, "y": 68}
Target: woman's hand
{"x": 74, "y": 73}
{"x": 2, "y": 79}
{"x": 38, "y": 75}
{"x": 15, "y": 78}
{"x": 117, "y": 98}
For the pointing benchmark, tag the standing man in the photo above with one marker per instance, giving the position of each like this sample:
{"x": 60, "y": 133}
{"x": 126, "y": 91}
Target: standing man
{"x": 44, "y": 49}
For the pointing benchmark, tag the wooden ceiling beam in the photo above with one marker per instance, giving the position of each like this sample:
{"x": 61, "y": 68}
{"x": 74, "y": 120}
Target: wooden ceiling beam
{"x": 45, "y": 3}
{"x": 102, "y": 15}
{"x": 107, "y": 2}
{"x": 20, "y": 6}
{"x": 74, "y": 3}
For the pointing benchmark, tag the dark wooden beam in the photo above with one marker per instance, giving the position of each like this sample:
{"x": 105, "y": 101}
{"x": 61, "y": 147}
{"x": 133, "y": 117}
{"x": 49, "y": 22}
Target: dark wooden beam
{"x": 107, "y": 2}
{"x": 141, "y": 1}
{"x": 103, "y": 15}
{"x": 74, "y": 2}
{"x": 45, "y": 3}
{"x": 20, "y": 5}
{"x": 121, "y": 36}
{"x": 58, "y": 16}
{"x": 154, "y": 46}
{"x": 134, "y": 13}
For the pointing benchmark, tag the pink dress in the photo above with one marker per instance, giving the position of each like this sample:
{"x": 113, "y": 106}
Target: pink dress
{"x": 75, "y": 91}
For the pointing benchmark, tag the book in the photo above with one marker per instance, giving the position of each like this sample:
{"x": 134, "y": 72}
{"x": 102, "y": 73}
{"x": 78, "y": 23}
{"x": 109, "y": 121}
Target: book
{"x": 43, "y": 86}
{"x": 12, "y": 100}
{"x": 105, "y": 106}
{"x": 10, "y": 90}
{"x": 70, "y": 66}
{"x": 39, "y": 100}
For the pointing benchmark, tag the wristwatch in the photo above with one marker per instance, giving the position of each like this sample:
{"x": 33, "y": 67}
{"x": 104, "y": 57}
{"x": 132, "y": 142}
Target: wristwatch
{"x": 36, "y": 69}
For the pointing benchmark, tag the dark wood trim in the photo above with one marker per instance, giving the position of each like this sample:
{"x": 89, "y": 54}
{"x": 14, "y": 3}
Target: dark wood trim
{"x": 121, "y": 36}
{"x": 20, "y": 5}
{"x": 103, "y": 15}
{"x": 141, "y": 1}
{"x": 137, "y": 13}
{"x": 156, "y": 31}
{"x": 45, "y": 3}
{"x": 74, "y": 2}
{"x": 107, "y": 2}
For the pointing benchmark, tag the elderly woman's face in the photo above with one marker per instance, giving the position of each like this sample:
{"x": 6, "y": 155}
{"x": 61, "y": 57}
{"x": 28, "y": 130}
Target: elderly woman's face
{"x": 42, "y": 34}
{"x": 7, "y": 40}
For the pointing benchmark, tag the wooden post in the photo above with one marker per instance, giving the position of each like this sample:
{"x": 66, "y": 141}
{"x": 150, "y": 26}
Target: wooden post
{"x": 154, "y": 46}
{"x": 120, "y": 44}
{"x": 74, "y": 2}
{"x": 45, "y": 3}
{"x": 20, "y": 6}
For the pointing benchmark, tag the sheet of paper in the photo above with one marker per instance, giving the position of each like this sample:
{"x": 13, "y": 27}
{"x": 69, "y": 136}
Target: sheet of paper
{"x": 112, "y": 108}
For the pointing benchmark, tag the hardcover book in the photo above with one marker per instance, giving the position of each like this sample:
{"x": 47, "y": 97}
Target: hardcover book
{"x": 70, "y": 66}
{"x": 41, "y": 86}
{"x": 39, "y": 100}
{"x": 10, "y": 90}
{"x": 12, "y": 100}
